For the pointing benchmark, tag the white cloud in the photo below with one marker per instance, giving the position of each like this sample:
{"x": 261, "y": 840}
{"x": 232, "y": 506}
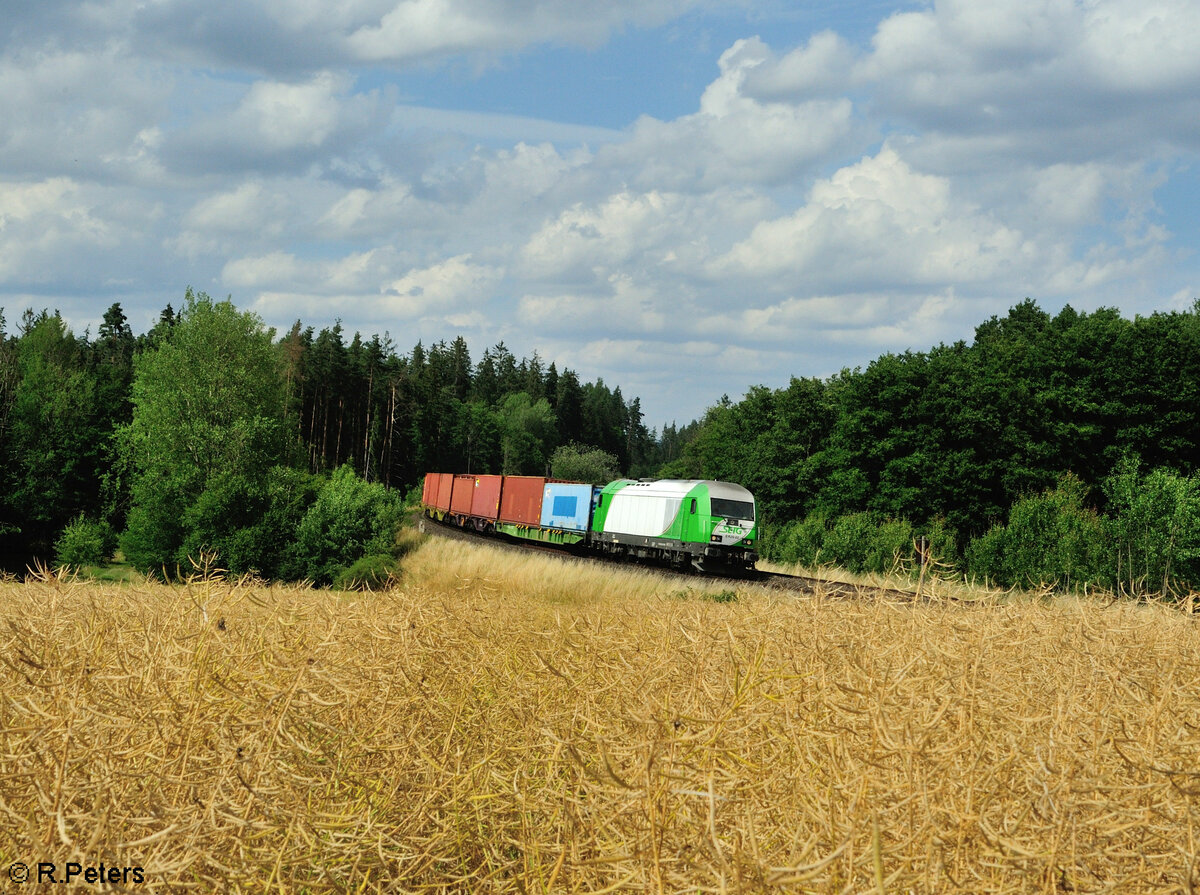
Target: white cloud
{"x": 624, "y": 306}
{"x": 247, "y": 207}
{"x": 654, "y": 233}
{"x": 20, "y": 202}
{"x": 272, "y": 269}
{"x": 1016, "y": 30}
{"x": 414, "y": 29}
{"x": 821, "y": 67}
{"x": 880, "y": 222}
{"x": 446, "y": 286}
{"x": 581, "y": 240}
{"x": 1045, "y": 78}
{"x": 275, "y": 127}
{"x": 1143, "y": 45}
{"x": 1067, "y": 195}
{"x": 734, "y": 138}
{"x": 45, "y": 221}
{"x": 281, "y": 116}
{"x": 815, "y": 204}
{"x": 872, "y": 320}
{"x": 363, "y": 287}
{"x": 358, "y": 273}
{"x": 253, "y": 213}
{"x": 81, "y": 114}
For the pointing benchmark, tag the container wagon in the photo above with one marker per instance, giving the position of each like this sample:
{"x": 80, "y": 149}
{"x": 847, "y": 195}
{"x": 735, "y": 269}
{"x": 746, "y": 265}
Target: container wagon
{"x": 702, "y": 523}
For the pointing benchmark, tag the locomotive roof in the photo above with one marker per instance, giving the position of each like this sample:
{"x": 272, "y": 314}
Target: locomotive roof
{"x": 680, "y": 487}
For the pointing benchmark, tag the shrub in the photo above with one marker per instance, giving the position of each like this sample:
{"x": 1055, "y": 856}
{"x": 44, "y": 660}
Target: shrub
{"x": 859, "y": 542}
{"x": 84, "y": 543}
{"x": 849, "y": 543}
{"x": 1050, "y": 539}
{"x": 367, "y": 573}
{"x": 802, "y": 541}
{"x": 986, "y": 556}
{"x": 943, "y": 541}
{"x": 350, "y": 519}
{"x": 891, "y": 548}
{"x": 1155, "y": 527}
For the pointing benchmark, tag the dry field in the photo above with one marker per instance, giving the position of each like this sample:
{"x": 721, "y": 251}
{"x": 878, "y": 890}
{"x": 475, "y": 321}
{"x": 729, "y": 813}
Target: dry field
{"x": 507, "y": 724}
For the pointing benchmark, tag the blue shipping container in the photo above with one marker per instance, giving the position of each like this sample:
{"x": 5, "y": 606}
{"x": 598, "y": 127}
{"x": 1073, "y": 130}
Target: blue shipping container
{"x": 566, "y": 506}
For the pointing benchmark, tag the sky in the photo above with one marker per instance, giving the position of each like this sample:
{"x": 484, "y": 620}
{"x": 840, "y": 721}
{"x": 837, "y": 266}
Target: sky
{"x": 685, "y": 198}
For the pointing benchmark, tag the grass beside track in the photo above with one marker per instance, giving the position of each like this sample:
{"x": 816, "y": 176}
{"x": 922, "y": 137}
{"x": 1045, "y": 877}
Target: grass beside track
{"x": 501, "y": 723}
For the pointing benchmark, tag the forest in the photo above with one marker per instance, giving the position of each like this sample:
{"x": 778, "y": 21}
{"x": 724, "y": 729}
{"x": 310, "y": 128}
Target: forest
{"x": 210, "y": 433}
{"x": 1050, "y": 450}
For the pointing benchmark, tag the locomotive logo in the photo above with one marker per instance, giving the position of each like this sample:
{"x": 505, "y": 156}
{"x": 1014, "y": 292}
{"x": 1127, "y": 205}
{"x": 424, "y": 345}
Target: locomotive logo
{"x": 730, "y": 533}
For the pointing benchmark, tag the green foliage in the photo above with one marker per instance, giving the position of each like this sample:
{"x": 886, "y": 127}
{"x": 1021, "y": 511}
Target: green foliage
{"x": 186, "y": 439}
{"x": 372, "y": 572}
{"x": 49, "y": 433}
{"x": 800, "y": 541}
{"x": 942, "y": 542}
{"x": 207, "y": 428}
{"x": 859, "y": 542}
{"x": 1155, "y": 527}
{"x": 84, "y": 542}
{"x": 1051, "y": 539}
{"x": 850, "y": 543}
{"x": 527, "y": 432}
{"x": 581, "y": 463}
{"x": 350, "y": 519}
{"x": 717, "y": 596}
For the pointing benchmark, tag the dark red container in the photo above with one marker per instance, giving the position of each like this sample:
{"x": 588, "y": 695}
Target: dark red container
{"x": 521, "y": 499}
{"x": 461, "y": 496}
{"x": 442, "y": 497}
{"x": 486, "y": 502}
{"x": 429, "y": 491}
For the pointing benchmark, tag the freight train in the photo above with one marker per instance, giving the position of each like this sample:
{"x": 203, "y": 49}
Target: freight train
{"x": 705, "y": 524}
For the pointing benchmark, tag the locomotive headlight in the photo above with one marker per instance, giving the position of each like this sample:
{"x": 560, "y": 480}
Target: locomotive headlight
{"x": 716, "y": 539}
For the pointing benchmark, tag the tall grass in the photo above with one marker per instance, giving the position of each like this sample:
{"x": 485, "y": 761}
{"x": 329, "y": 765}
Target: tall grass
{"x": 498, "y": 723}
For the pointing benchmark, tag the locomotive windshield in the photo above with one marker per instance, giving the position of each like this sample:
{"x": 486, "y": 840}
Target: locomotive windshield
{"x": 733, "y": 509}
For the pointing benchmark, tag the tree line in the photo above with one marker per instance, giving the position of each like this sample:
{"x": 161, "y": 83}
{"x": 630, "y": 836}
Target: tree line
{"x": 1059, "y": 450}
{"x": 208, "y": 432}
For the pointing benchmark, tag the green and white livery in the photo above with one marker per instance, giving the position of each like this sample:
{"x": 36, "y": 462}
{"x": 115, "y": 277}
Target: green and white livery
{"x": 705, "y": 523}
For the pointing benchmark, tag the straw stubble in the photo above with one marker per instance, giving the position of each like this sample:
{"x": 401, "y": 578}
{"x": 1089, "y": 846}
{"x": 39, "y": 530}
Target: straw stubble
{"x": 497, "y": 723}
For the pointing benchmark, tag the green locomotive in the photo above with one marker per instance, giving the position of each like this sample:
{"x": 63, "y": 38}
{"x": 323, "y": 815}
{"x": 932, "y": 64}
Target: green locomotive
{"x": 704, "y": 523}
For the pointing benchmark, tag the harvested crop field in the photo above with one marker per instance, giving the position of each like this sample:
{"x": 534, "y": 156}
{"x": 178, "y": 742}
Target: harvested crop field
{"x": 498, "y": 723}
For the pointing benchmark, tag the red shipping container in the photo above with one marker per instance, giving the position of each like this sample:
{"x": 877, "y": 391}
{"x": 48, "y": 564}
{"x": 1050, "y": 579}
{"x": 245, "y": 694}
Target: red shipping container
{"x": 521, "y": 499}
{"x": 445, "y": 483}
{"x": 486, "y": 502}
{"x": 429, "y": 492}
{"x": 460, "y": 497}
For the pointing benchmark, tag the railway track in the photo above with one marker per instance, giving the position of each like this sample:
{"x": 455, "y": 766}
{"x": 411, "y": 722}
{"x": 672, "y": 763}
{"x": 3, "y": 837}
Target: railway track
{"x": 770, "y": 580}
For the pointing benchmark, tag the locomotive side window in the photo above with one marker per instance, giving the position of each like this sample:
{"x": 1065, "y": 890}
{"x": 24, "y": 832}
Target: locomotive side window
{"x": 693, "y": 506}
{"x": 733, "y": 509}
